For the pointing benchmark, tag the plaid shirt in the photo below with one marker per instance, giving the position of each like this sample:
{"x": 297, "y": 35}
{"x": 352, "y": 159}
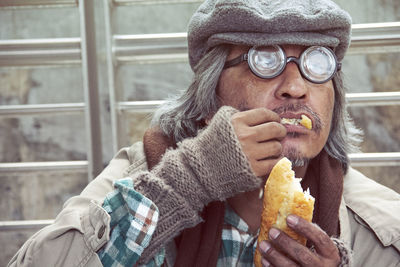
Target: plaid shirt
{"x": 238, "y": 245}
{"x": 133, "y": 221}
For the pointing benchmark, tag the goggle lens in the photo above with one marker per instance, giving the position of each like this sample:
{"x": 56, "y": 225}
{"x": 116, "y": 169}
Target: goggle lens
{"x": 267, "y": 61}
{"x": 318, "y": 64}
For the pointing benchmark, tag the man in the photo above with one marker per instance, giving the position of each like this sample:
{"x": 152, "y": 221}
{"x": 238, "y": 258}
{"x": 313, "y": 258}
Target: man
{"x": 189, "y": 194}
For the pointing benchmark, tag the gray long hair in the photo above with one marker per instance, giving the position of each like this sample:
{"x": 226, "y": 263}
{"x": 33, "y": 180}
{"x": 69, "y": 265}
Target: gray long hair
{"x": 184, "y": 115}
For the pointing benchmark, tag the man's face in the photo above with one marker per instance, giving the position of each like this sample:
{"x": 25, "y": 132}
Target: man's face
{"x": 289, "y": 95}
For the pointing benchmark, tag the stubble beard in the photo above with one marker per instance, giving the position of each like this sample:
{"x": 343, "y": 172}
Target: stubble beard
{"x": 296, "y": 157}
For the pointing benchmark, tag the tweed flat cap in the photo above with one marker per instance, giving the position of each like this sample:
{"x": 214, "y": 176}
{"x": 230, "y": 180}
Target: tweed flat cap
{"x": 267, "y": 22}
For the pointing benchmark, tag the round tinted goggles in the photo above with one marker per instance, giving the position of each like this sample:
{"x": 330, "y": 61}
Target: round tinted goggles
{"x": 317, "y": 64}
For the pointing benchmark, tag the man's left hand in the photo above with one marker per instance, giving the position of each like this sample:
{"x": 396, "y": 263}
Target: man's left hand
{"x": 282, "y": 250}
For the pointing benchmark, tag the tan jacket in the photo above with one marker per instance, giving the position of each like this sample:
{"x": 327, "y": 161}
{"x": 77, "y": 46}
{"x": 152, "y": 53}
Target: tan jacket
{"x": 369, "y": 221}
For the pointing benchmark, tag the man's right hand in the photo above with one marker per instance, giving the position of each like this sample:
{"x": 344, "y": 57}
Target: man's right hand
{"x": 259, "y": 132}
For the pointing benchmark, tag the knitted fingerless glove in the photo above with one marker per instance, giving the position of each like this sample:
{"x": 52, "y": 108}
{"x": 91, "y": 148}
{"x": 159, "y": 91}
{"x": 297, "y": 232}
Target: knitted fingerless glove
{"x": 208, "y": 167}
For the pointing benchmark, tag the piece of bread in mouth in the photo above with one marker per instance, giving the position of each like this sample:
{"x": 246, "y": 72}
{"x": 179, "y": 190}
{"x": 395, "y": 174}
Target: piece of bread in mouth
{"x": 283, "y": 195}
{"x": 305, "y": 121}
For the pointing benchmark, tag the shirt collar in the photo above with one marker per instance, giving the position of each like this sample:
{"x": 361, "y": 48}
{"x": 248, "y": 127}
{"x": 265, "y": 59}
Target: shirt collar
{"x": 233, "y": 219}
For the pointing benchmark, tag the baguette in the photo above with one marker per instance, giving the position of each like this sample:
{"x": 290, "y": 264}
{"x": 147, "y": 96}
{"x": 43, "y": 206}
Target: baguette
{"x": 283, "y": 195}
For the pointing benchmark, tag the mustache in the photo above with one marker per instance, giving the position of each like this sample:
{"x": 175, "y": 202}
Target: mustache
{"x": 299, "y": 108}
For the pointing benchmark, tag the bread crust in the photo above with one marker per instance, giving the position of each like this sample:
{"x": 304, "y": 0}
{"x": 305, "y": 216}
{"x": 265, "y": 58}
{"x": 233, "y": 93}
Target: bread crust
{"x": 283, "y": 196}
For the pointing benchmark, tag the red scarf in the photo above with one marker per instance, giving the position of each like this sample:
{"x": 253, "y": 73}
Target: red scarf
{"x": 200, "y": 245}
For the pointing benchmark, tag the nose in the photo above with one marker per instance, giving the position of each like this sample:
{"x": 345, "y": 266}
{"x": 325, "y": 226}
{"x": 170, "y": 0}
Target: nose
{"x": 293, "y": 85}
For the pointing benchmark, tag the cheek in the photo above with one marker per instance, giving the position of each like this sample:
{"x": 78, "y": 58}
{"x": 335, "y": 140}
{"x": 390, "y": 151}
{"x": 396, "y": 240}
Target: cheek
{"x": 326, "y": 110}
{"x": 232, "y": 91}
{"x": 329, "y": 104}
{"x": 224, "y": 89}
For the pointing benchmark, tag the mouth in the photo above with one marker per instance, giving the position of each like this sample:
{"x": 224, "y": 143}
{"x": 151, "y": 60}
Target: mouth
{"x": 304, "y": 121}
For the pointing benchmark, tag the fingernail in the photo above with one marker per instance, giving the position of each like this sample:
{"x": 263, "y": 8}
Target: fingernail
{"x": 292, "y": 220}
{"x": 273, "y": 233}
{"x": 265, "y": 246}
{"x": 265, "y": 262}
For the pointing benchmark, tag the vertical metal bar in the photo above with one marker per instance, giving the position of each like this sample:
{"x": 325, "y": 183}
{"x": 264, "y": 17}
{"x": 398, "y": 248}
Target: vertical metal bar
{"x": 108, "y": 5}
{"x": 90, "y": 83}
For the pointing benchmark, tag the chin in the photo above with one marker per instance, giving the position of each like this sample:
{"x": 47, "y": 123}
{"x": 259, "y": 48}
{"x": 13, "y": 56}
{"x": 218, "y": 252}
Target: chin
{"x": 297, "y": 158}
{"x": 299, "y": 149}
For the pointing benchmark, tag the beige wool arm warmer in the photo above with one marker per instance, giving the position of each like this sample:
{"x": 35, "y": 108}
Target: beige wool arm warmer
{"x": 208, "y": 167}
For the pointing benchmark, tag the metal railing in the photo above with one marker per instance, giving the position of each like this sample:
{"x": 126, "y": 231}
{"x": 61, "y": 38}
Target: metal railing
{"x": 375, "y": 159}
{"x": 375, "y": 38}
{"x": 13, "y": 4}
{"x": 42, "y": 52}
{"x": 37, "y": 109}
{"x": 153, "y": 2}
{"x": 150, "y": 48}
{"x": 75, "y": 166}
{"x": 90, "y": 85}
{"x": 54, "y": 52}
{"x": 373, "y": 99}
{"x": 24, "y": 225}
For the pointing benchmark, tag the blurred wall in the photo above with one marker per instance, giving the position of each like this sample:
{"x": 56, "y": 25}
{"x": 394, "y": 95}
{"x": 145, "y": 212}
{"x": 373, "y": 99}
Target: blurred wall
{"x": 28, "y": 196}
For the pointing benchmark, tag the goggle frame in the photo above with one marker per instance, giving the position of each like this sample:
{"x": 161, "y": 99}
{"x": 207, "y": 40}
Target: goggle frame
{"x": 297, "y": 60}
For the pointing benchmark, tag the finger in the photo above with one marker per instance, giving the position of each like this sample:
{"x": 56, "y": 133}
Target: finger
{"x": 322, "y": 242}
{"x": 262, "y": 168}
{"x": 261, "y": 151}
{"x": 294, "y": 249}
{"x": 261, "y": 133}
{"x": 250, "y": 135}
{"x": 272, "y": 256}
{"x": 254, "y": 117}
{"x": 269, "y": 131}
